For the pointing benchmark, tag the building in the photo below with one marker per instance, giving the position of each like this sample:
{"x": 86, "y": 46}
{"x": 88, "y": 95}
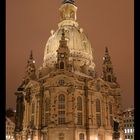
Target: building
{"x": 65, "y": 99}
{"x": 10, "y": 127}
{"x": 128, "y": 117}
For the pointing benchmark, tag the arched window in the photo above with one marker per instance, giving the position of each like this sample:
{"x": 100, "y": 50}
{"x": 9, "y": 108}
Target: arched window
{"x": 98, "y": 109}
{"x": 81, "y": 136}
{"x": 79, "y": 111}
{"x": 47, "y": 109}
{"x": 61, "y": 65}
{"x": 79, "y": 103}
{"x": 61, "y": 109}
{"x": 98, "y": 112}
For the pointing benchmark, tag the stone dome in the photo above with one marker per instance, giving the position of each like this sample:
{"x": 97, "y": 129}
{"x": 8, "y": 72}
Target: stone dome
{"x": 77, "y": 41}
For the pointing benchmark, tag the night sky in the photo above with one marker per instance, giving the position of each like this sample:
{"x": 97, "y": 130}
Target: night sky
{"x": 105, "y": 22}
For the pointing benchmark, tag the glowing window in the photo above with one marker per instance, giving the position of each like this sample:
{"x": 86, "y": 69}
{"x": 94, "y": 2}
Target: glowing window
{"x": 81, "y": 136}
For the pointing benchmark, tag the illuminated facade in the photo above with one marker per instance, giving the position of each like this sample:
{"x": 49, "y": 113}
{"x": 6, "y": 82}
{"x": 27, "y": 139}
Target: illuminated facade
{"x": 128, "y": 117}
{"x": 64, "y": 99}
{"x": 10, "y": 126}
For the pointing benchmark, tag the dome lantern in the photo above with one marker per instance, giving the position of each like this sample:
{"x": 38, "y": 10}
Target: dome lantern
{"x": 68, "y": 10}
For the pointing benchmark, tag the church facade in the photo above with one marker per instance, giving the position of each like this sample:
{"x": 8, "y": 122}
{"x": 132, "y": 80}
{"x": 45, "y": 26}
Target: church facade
{"x": 65, "y": 99}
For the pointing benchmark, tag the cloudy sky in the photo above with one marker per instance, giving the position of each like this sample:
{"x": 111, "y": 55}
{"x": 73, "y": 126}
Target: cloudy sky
{"x": 105, "y": 22}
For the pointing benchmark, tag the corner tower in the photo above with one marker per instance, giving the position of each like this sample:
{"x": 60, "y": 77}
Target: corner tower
{"x": 30, "y": 68}
{"x": 108, "y": 74}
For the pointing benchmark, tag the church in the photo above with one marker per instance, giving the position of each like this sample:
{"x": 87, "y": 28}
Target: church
{"x": 64, "y": 99}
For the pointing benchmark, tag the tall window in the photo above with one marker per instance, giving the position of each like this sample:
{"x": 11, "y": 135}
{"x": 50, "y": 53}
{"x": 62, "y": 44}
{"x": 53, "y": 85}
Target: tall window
{"x": 81, "y": 136}
{"x": 61, "y": 109}
{"x": 79, "y": 111}
{"x": 61, "y": 102}
{"x": 98, "y": 113}
{"x": 79, "y": 118}
{"x": 110, "y": 114}
{"x": 61, "y": 117}
{"x": 98, "y": 118}
{"x": 79, "y": 103}
{"x": 98, "y": 105}
{"x": 47, "y": 109}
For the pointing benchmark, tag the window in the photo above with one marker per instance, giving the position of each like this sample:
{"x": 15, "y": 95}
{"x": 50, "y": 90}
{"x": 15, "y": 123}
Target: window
{"x": 61, "y": 101}
{"x": 97, "y": 105}
{"x": 61, "y": 65}
{"x": 79, "y": 118}
{"x": 47, "y": 118}
{"x": 98, "y": 113}
{"x": 61, "y": 109}
{"x": 61, "y": 117}
{"x": 79, "y": 110}
{"x": 61, "y": 82}
{"x": 81, "y": 136}
{"x": 98, "y": 118}
{"x": 79, "y": 103}
{"x": 47, "y": 109}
